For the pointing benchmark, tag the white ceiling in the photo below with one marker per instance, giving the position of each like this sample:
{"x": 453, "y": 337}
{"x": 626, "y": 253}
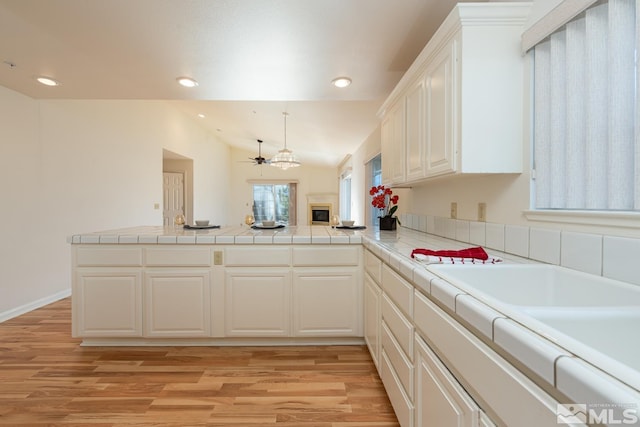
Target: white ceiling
{"x": 253, "y": 60}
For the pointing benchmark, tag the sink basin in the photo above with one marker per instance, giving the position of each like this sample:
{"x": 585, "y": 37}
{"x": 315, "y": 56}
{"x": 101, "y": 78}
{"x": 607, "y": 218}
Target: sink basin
{"x": 538, "y": 285}
{"x": 609, "y": 331}
{"x": 592, "y": 317}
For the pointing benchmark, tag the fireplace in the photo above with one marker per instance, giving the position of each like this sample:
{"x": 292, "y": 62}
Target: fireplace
{"x": 319, "y": 213}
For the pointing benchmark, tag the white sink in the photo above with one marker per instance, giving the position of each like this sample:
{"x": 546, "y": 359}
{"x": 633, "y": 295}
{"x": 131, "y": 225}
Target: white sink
{"x": 610, "y": 331}
{"x": 538, "y": 285}
{"x": 593, "y": 317}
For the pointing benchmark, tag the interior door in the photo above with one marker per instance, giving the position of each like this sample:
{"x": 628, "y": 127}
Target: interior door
{"x": 173, "y": 190}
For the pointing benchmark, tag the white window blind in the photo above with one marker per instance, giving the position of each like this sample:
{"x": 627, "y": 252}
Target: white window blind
{"x": 586, "y": 150}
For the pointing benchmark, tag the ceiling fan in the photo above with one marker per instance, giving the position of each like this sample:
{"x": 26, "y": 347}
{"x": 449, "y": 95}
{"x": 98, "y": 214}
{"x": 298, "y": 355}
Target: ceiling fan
{"x": 259, "y": 160}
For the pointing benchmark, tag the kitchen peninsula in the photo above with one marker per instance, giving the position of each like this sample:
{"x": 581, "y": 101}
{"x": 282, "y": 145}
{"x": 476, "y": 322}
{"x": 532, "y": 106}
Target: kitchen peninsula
{"x": 441, "y": 352}
{"x": 166, "y": 285}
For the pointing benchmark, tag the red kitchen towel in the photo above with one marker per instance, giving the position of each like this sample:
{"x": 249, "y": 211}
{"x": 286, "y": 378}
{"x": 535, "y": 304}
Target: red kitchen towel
{"x": 477, "y": 253}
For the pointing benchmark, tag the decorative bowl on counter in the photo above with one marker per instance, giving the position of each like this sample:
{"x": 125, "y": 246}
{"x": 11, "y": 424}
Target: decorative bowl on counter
{"x": 268, "y": 223}
{"x": 348, "y": 223}
{"x": 202, "y": 222}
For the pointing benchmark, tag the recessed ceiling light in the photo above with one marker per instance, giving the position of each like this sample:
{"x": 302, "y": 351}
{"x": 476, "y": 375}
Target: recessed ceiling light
{"x": 47, "y": 81}
{"x": 341, "y": 82}
{"x": 187, "y": 82}
{"x": 202, "y": 116}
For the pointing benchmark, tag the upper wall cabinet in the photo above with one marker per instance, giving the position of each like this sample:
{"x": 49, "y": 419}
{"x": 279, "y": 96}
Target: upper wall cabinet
{"x": 393, "y": 147}
{"x": 459, "y": 107}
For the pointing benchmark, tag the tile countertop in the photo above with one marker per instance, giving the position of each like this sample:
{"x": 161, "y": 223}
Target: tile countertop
{"x": 578, "y": 372}
{"x": 400, "y": 242}
{"x": 221, "y": 236}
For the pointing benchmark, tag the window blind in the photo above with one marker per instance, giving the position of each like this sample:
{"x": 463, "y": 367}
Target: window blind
{"x": 586, "y": 153}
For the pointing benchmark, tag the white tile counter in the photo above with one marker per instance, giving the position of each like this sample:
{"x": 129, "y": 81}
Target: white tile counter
{"x": 549, "y": 360}
{"x": 243, "y": 235}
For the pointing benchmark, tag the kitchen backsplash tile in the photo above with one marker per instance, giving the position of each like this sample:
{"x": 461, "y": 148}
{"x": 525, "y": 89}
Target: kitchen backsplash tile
{"x": 422, "y": 223}
{"x": 581, "y": 251}
{"x": 477, "y": 233}
{"x": 495, "y": 236}
{"x": 462, "y": 230}
{"x": 609, "y": 256}
{"x": 544, "y": 245}
{"x": 516, "y": 240}
{"x": 619, "y": 259}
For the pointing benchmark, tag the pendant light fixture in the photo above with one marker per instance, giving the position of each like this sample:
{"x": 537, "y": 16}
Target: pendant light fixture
{"x": 285, "y": 158}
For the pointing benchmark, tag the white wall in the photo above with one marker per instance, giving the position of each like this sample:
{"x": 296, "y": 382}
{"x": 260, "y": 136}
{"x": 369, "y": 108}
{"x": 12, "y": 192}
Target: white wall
{"x": 311, "y": 179}
{"x": 82, "y": 166}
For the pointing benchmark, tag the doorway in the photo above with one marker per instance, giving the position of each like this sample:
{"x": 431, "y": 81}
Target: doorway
{"x": 173, "y": 196}
{"x": 177, "y": 188}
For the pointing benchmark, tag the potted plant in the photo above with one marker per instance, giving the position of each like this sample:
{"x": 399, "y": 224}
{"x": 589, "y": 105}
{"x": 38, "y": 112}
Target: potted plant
{"x": 384, "y": 200}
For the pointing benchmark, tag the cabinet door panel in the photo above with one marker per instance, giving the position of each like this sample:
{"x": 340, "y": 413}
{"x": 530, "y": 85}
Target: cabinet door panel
{"x": 107, "y": 304}
{"x": 440, "y": 400}
{"x": 398, "y": 175}
{"x": 327, "y": 303}
{"x": 415, "y": 141}
{"x": 401, "y": 403}
{"x": 393, "y": 145}
{"x": 440, "y": 113}
{"x": 177, "y": 304}
{"x": 257, "y": 303}
{"x": 372, "y": 318}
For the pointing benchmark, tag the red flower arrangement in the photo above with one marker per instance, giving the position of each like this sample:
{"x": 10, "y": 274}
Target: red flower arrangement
{"x": 384, "y": 200}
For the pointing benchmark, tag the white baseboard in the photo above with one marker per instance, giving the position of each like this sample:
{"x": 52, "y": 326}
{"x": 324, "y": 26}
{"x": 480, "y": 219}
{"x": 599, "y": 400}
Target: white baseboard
{"x": 15, "y": 312}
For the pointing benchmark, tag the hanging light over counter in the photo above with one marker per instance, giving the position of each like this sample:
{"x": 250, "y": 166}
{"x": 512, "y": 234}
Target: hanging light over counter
{"x": 285, "y": 158}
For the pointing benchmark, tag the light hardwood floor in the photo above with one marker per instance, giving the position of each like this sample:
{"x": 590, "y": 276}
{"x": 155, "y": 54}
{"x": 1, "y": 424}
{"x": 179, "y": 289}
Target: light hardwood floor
{"x": 48, "y": 379}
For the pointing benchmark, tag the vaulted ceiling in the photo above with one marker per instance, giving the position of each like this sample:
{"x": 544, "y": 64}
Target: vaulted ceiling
{"x": 253, "y": 59}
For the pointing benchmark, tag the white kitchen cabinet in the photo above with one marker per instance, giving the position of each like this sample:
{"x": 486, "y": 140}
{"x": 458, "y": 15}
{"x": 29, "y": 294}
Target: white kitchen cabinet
{"x": 327, "y": 302}
{"x": 402, "y": 405}
{"x": 372, "y": 318}
{"x": 415, "y": 131}
{"x": 393, "y": 145}
{"x": 177, "y": 303}
{"x": 257, "y": 302}
{"x": 107, "y": 303}
{"x": 439, "y": 399}
{"x": 465, "y": 89}
{"x": 439, "y": 112}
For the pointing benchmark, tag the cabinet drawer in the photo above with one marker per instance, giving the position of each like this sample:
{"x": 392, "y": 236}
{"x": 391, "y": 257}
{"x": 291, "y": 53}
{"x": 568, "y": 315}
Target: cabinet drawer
{"x": 399, "y": 326}
{"x": 400, "y": 291}
{"x": 108, "y": 256}
{"x": 258, "y": 256}
{"x": 373, "y": 266}
{"x": 401, "y": 403}
{"x": 401, "y": 364}
{"x": 326, "y": 256}
{"x": 177, "y": 257}
{"x": 482, "y": 371}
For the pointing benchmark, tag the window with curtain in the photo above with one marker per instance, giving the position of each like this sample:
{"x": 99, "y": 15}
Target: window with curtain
{"x": 275, "y": 202}
{"x": 586, "y": 154}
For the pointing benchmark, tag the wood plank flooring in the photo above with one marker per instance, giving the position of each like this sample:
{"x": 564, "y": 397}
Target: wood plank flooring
{"x": 48, "y": 379}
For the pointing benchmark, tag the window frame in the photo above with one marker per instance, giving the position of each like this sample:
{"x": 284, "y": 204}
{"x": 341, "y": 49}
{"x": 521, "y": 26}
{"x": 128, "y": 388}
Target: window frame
{"x": 551, "y": 22}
